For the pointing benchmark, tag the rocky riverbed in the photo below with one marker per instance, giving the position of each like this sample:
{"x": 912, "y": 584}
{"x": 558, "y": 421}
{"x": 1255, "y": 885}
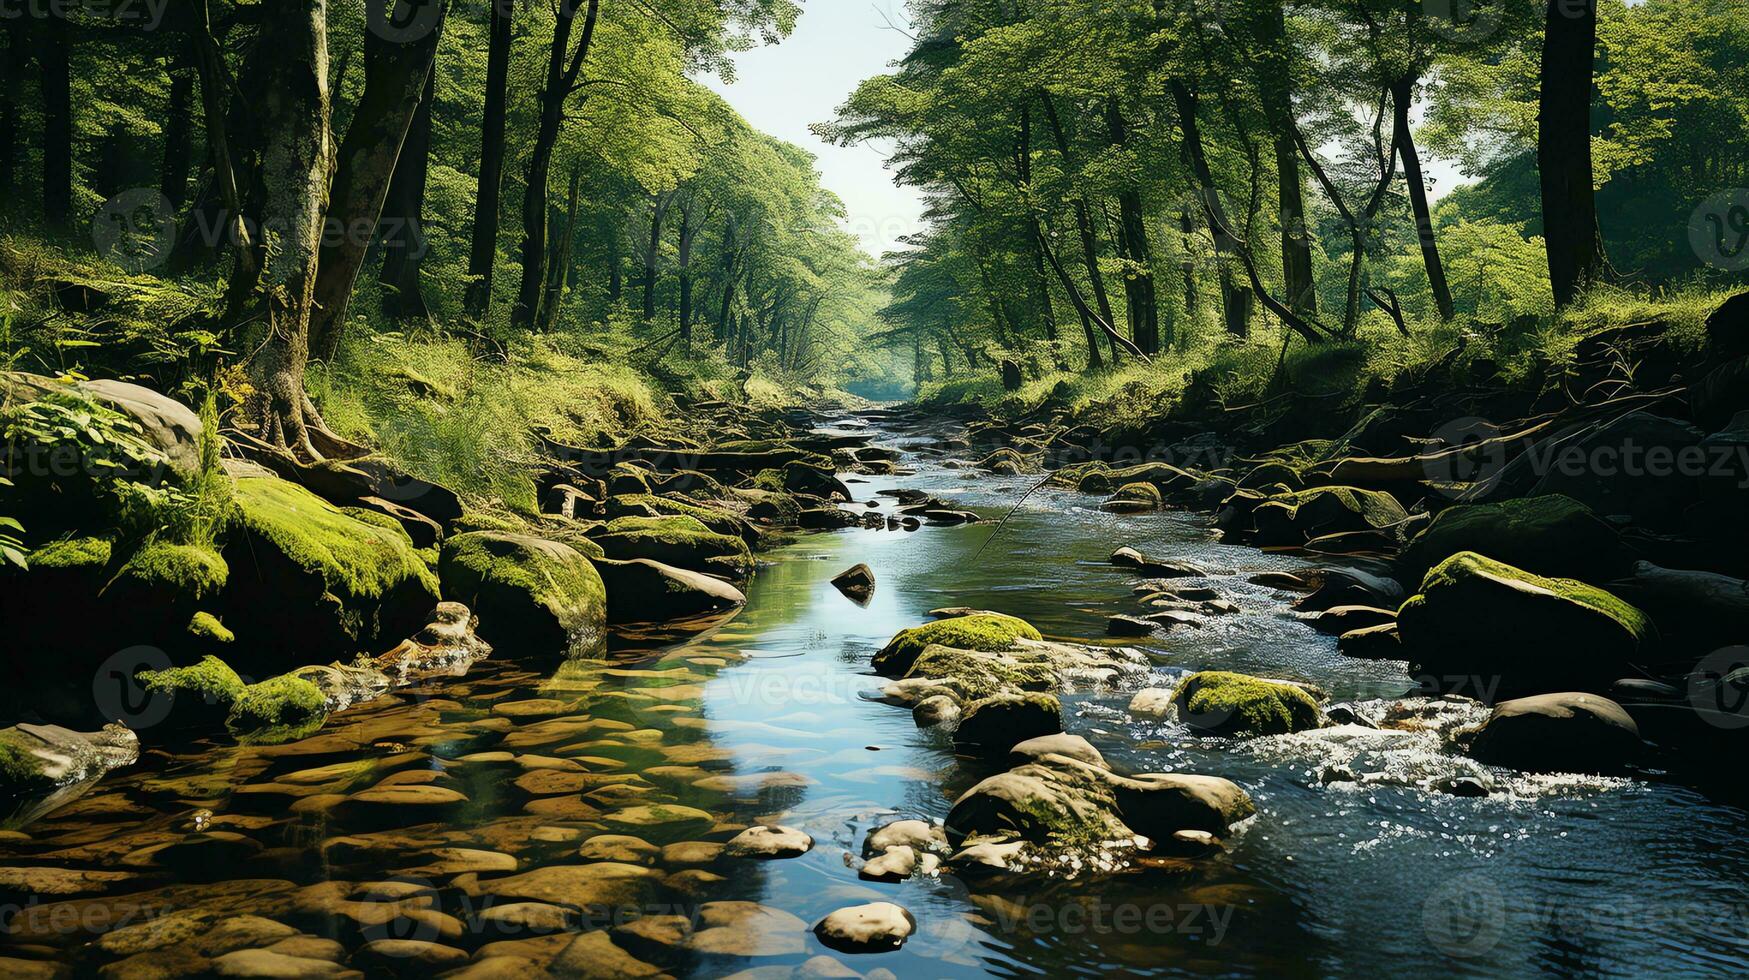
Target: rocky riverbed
{"x": 762, "y": 792}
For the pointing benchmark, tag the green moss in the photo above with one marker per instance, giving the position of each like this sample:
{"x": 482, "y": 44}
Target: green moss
{"x": 1145, "y": 493}
{"x": 771, "y": 481}
{"x": 212, "y": 679}
{"x": 21, "y": 771}
{"x": 1164, "y": 477}
{"x": 1226, "y": 703}
{"x": 279, "y": 709}
{"x": 981, "y": 632}
{"x": 976, "y": 675}
{"x": 182, "y": 569}
{"x": 205, "y": 626}
{"x": 1288, "y": 518}
{"x": 356, "y": 558}
{"x": 676, "y": 540}
{"x": 73, "y": 553}
{"x": 1548, "y": 535}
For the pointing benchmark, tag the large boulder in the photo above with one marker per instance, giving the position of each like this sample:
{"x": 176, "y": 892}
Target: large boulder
{"x": 1296, "y": 517}
{"x": 1477, "y": 617}
{"x": 37, "y": 760}
{"x": 532, "y": 595}
{"x": 1061, "y": 799}
{"x": 993, "y": 725}
{"x": 1630, "y": 467}
{"x": 1548, "y": 535}
{"x": 309, "y": 578}
{"x": 1566, "y": 732}
{"x": 165, "y": 423}
{"x": 978, "y": 632}
{"x": 641, "y": 590}
{"x": 676, "y": 540}
{"x": 1224, "y": 703}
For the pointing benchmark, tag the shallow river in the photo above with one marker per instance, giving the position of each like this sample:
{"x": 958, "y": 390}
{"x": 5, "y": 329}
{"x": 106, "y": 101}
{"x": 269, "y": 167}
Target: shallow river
{"x": 1353, "y": 864}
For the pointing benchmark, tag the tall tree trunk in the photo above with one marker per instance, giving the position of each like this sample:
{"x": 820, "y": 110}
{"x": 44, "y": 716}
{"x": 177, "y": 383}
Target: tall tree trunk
{"x": 653, "y": 252}
{"x": 178, "y": 134}
{"x": 1402, "y": 94}
{"x": 1275, "y": 86}
{"x": 404, "y": 242}
{"x": 1144, "y": 309}
{"x": 554, "y": 92}
{"x": 561, "y": 268}
{"x": 1563, "y": 149}
{"x": 1235, "y": 301}
{"x": 483, "y": 252}
{"x": 293, "y": 105}
{"x": 688, "y": 232}
{"x": 1089, "y": 248}
{"x": 1041, "y": 286}
{"x": 616, "y": 282}
{"x": 54, "y": 56}
{"x": 395, "y": 74}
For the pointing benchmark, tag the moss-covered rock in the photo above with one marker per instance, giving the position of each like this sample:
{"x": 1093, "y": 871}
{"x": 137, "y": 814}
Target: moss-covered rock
{"x": 973, "y": 675}
{"x": 277, "y": 710}
{"x": 1135, "y": 498}
{"x": 206, "y": 627}
{"x": 676, "y": 540}
{"x": 1297, "y": 517}
{"x": 1550, "y": 535}
{"x": 981, "y": 631}
{"x": 72, "y": 554}
{"x": 1165, "y": 477}
{"x": 38, "y": 759}
{"x": 1225, "y": 703}
{"x": 1563, "y": 732}
{"x": 531, "y": 594}
{"x": 651, "y": 505}
{"x": 307, "y": 576}
{"x": 1475, "y": 616}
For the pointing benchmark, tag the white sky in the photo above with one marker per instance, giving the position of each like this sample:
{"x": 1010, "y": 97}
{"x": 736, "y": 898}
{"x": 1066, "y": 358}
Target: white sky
{"x": 784, "y": 88}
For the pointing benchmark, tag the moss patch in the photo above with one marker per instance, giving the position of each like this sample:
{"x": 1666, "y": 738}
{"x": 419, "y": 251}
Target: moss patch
{"x": 981, "y": 632}
{"x": 205, "y": 626}
{"x": 979, "y": 675}
{"x": 279, "y": 709}
{"x": 20, "y": 769}
{"x": 649, "y": 505}
{"x": 183, "y": 570}
{"x": 1226, "y": 703}
{"x": 73, "y": 553}
{"x": 1292, "y": 518}
{"x": 212, "y": 680}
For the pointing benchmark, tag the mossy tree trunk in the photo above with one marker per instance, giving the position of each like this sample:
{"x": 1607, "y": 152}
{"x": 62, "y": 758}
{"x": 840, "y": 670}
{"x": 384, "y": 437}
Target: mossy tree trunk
{"x": 395, "y": 73}
{"x": 296, "y": 160}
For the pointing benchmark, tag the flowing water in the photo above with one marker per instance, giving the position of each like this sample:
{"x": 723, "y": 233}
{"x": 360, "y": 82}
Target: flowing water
{"x": 1354, "y": 863}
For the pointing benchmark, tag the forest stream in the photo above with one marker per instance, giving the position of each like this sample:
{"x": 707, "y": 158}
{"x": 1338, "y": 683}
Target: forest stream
{"x": 1356, "y": 861}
